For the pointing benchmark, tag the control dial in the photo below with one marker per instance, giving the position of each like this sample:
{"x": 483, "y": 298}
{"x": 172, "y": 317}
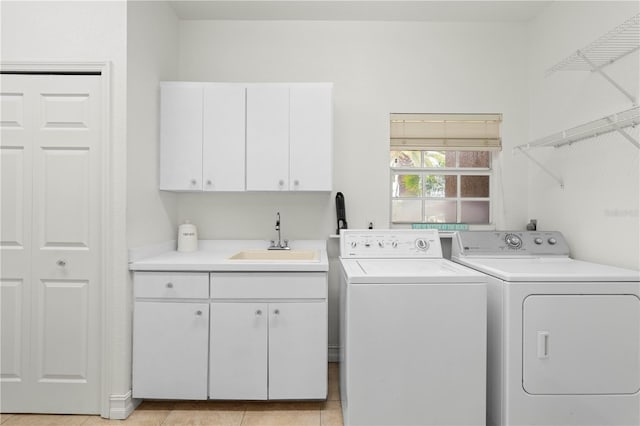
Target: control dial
{"x": 422, "y": 244}
{"x": 513, "y": 241}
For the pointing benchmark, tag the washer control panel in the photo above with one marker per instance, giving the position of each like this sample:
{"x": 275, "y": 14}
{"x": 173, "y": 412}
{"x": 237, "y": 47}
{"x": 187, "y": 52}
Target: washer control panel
{"x": 390, "y": 243}
{"x": 509, "y": 243}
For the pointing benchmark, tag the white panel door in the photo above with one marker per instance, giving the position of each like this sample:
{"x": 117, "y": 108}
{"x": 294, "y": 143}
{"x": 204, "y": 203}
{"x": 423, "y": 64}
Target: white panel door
{"x": 16, "y": 151}
{"x": 298, "y": 350}
{"x": 238, "y": 352}
{"x": 181, "y": 136}
{"x": 581, "y": 344}
{"x": 223, "y": 147}
{"x": 51, "y": 242}
{"x": 311, "y": 153}
{"x": 171, "y": 341}
{"x": 267, "y": 138}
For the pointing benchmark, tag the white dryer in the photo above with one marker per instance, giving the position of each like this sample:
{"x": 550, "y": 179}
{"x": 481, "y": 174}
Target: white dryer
{"x": 563, "y": 335}
{"x": 412, "y": 332}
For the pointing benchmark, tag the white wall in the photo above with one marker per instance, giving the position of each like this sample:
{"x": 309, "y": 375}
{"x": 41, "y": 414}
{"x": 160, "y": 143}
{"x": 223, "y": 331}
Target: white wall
{"x": 377, "y": 68}
{"x": 87, "y": 31}
{"x": 598, "y": 208}
{"x": 152, "y": 56}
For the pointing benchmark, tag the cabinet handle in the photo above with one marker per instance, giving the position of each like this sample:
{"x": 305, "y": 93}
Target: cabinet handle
{"x": 169, "y": 285}
{"x": 199, "y": 313}
{"x": 258, "y": 312}
{"x": 276, "y": 312}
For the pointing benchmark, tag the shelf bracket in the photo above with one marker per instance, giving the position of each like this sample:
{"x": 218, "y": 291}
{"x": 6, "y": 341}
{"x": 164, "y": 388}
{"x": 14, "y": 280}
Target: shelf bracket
{"x": 627, "y": 136}
{"x": 595, "y": 68}
{"x": 542, "y": 167}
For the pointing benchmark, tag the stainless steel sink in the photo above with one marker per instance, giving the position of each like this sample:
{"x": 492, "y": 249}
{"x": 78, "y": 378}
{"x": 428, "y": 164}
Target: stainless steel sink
{"x": 278, "y": 255}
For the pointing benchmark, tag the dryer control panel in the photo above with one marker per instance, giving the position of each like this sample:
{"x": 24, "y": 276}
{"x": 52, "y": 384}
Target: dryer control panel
{"x": 390, "y": 243}
{"x": 509, "y": 243}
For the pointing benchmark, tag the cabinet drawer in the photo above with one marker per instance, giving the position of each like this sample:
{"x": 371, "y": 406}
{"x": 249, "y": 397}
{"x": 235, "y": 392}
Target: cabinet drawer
{"x": 171, "y": 285}
{"x": 262, "y": 285}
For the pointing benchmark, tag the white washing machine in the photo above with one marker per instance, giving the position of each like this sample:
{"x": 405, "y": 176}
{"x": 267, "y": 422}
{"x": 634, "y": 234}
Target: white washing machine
{"x": 563, "y": 335}
{"x": 412, "y": 332}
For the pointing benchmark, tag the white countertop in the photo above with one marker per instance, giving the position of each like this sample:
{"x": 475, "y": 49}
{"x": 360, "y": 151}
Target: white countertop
{"x": 213, "y": 256}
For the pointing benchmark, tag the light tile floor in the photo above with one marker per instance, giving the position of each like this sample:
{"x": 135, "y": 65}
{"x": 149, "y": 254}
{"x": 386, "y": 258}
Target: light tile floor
{"x": 209, "y": 413}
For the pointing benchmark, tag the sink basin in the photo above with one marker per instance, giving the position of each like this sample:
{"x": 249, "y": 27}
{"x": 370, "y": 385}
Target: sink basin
{"x": 278, "y": 255}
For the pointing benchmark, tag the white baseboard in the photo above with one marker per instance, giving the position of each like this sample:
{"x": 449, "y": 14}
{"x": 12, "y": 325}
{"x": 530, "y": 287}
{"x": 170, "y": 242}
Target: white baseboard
{"x": 334, "y": 353}
{"x": 121, "y": 406}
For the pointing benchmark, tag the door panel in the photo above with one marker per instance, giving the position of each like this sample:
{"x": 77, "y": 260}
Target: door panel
{"x": 181, "y": 137}
{"x": 238, "y": 357}
{"x": 62, "y": 327}
{"x": 12, "y": 328}
{"x": 311, "y": 138}
{"x": 297, "y": 350}
{"x": 267, "y": 138}
{"x": 13, "y": 202}
{"x": 170, "y": 350}
{"x": 223, "y": 149}
{"x": 64, "y": 207}
{"x": 54, "y": 124}
{"x": 581, "y": 344}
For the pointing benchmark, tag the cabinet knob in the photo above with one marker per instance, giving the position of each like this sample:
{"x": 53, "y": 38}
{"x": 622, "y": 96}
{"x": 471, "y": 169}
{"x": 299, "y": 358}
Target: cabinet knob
{"x": 209, "y": 182}
{"x": 199, "y": 313}
{"x": 296, "y": 182}
{"x": 169, "y": 285}
{"x": 276, "y": 312}
{"x": 61, "y": 263}
{"x": 193, "y": 181}
{"x": 281, "y": 182}
{"x": 258, "y": 312}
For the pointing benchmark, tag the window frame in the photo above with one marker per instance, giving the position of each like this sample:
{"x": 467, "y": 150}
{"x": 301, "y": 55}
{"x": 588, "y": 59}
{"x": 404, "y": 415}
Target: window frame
{"x": 443, "y": 171}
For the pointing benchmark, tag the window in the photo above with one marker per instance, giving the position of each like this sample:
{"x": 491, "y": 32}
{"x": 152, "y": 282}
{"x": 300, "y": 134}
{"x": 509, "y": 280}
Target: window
{"x": 441, "y": 167}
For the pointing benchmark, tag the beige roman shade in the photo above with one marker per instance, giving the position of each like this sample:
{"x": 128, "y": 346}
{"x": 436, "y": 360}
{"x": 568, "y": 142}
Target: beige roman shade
{"x": 458, "y": 132}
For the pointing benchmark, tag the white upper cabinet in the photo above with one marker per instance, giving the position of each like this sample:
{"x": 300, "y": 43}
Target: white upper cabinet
{"x": 310, "y": 138}
{"x": 181, "y": 137}
{"x": 202, "y": 137}
{"x": 223, "y": 146}
{"x": 289, "y": 137}
{"x": 268, "y": 137}
{"x": 278, "y": 136}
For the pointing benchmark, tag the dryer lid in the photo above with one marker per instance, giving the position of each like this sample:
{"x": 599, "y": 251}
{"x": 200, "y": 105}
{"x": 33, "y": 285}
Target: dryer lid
{"x": 547, "y": 269}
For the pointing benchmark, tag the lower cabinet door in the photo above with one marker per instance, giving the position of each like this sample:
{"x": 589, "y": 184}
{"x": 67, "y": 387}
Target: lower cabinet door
{"x": 238, "y": 355}
{"x": 170, "y": 345}
{"x": 298, "y": 350}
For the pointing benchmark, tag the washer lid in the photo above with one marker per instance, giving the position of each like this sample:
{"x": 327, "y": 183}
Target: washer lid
{"x": 401, "y": 271}
{"x": 548, "y": 269}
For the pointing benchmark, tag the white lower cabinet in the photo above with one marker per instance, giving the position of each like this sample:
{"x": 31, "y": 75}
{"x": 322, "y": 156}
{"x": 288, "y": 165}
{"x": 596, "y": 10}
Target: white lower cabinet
{"x": 170, "y": 335}
{"x": 273, "y": 346}
{"x": 252, "y": 336}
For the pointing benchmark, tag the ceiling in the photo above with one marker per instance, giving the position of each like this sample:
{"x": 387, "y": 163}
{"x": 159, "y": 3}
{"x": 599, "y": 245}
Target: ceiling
{"x": 359, "y": 10}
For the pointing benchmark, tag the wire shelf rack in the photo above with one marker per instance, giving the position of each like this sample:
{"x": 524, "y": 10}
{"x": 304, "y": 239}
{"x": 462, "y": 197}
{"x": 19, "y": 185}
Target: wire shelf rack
{"x": 610, "y": 123}
{"x": 614, "y": 45}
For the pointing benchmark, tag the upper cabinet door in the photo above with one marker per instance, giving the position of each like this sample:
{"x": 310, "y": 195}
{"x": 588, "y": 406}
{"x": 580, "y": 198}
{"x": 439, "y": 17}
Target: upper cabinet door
{"x": 311, "y": 137}
{"x": 223, "y": 146}
{"x": 181, "y": 137}
{"x": 267, "y": 137}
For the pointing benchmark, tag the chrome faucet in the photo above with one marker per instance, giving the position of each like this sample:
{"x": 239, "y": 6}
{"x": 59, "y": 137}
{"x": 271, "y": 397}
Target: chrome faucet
{"x": 280, "y": 245}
